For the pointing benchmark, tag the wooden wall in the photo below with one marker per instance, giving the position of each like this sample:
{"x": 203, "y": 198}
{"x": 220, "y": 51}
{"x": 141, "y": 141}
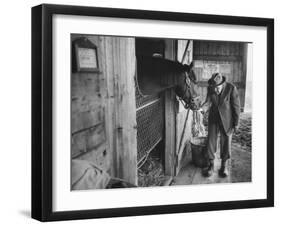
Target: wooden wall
{"x": 227, "y": 58}
{"x": 103, "y": 109}
{"x": 87, "y": 115}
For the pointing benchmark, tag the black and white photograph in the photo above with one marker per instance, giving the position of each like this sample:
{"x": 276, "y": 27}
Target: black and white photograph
{"x": 150, "y": 112}
{"x": 141, "y": 112}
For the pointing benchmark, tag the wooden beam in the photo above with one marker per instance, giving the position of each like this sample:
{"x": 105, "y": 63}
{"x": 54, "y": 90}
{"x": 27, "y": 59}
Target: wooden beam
{"x": 107, "y": 86}
{"x": 170, "y": 118}
{"x": 244, "y": 75}
{"x": 87, "y": 140}
{"x": 120, "y": 110}
{"x": 217, "y": 58}
{"x": 185, "y": 52}
{"x": 170, "y": 133}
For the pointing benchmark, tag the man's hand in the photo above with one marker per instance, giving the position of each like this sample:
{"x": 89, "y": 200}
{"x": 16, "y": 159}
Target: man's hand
{"x": 236, "y": 128}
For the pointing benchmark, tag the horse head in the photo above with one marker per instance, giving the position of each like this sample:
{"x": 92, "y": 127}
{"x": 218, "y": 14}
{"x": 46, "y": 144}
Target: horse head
{"x": 187, "y": 89}
{"x": 156, "y": 74}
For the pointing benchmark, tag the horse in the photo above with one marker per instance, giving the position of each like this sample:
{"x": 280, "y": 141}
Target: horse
{"x": 155, "y": 74}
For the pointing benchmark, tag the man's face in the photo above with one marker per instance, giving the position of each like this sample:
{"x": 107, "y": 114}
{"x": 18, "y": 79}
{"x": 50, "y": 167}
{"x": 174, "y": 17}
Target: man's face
{"x": 218, "y": 79}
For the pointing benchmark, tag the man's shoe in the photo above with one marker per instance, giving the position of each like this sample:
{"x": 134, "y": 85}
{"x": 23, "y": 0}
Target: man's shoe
{"x": 208, "y": 171}
{"x": 223, "y": 172}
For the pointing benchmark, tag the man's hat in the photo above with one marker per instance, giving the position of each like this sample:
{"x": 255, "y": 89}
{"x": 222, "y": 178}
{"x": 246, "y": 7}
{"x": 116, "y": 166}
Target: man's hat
{"x": 216, "y": 80}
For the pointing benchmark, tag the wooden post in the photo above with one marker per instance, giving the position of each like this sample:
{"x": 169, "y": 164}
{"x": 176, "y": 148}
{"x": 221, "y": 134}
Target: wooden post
{"x": 170, "y": 118}
{"x": 244, "y": 75}
{"x": 109, "y": 96}
{"x": 170, "y": 134}
{"x": 120, "y": 110}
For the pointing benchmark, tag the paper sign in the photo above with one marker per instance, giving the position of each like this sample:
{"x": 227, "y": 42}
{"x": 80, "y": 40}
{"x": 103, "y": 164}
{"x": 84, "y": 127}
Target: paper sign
{"x": 87, "y": 58}
{"x": 225, "y": 68}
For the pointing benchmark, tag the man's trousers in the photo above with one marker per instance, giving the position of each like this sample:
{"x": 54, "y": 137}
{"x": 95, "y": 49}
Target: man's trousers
{"x": 214, "y": 129}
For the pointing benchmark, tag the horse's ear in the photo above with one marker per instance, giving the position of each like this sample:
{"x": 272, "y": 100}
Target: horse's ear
{"x": 191, "y": 73}
{"x": 191, "y": 65}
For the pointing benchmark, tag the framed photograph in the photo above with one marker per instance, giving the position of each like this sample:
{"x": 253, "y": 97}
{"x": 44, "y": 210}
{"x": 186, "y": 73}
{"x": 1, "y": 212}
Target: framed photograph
{"x": 147, "y": 112}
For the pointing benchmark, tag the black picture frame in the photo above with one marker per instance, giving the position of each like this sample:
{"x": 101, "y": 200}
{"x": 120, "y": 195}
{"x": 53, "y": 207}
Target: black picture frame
{"x": 42, "y": 107}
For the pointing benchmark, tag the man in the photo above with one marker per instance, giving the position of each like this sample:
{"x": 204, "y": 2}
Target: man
{"x": 224, "y": 105}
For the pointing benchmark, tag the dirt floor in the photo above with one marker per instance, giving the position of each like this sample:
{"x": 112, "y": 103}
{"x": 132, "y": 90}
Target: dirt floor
{"x": 241, "y": 158}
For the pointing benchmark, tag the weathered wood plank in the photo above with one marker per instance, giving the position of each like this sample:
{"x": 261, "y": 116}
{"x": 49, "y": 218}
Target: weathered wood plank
{"x": 243, "y": 74}
{"x": 87, "y": 140}
{"x": 83, "y": 120}
{"x": 125, "y": 69}
{"x": 85, "y": 84}
{"x": 87, "y": 112}
{"x": 217, "y": 48}
{"x": 183, "y": 133}
{"x": 170, "y": 143}
{"x": 109, "y": 101}
{"x": 120, "y": 107}
{"x": 170, "y": 118}
{"x": 86, "y": 101}
{"x": 217, "y": 58}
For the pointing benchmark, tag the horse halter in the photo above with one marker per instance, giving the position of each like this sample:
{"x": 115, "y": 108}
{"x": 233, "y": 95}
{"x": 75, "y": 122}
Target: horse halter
{"x": 187, "y": 88}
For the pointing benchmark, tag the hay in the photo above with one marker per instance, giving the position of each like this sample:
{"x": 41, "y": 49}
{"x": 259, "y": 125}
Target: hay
{"x": 151, "y": 173}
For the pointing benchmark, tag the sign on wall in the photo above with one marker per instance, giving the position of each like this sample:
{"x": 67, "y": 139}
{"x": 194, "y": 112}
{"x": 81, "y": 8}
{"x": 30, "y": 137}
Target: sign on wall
{"x": 208, "y": 68}
{"x": 86, "y": 57}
